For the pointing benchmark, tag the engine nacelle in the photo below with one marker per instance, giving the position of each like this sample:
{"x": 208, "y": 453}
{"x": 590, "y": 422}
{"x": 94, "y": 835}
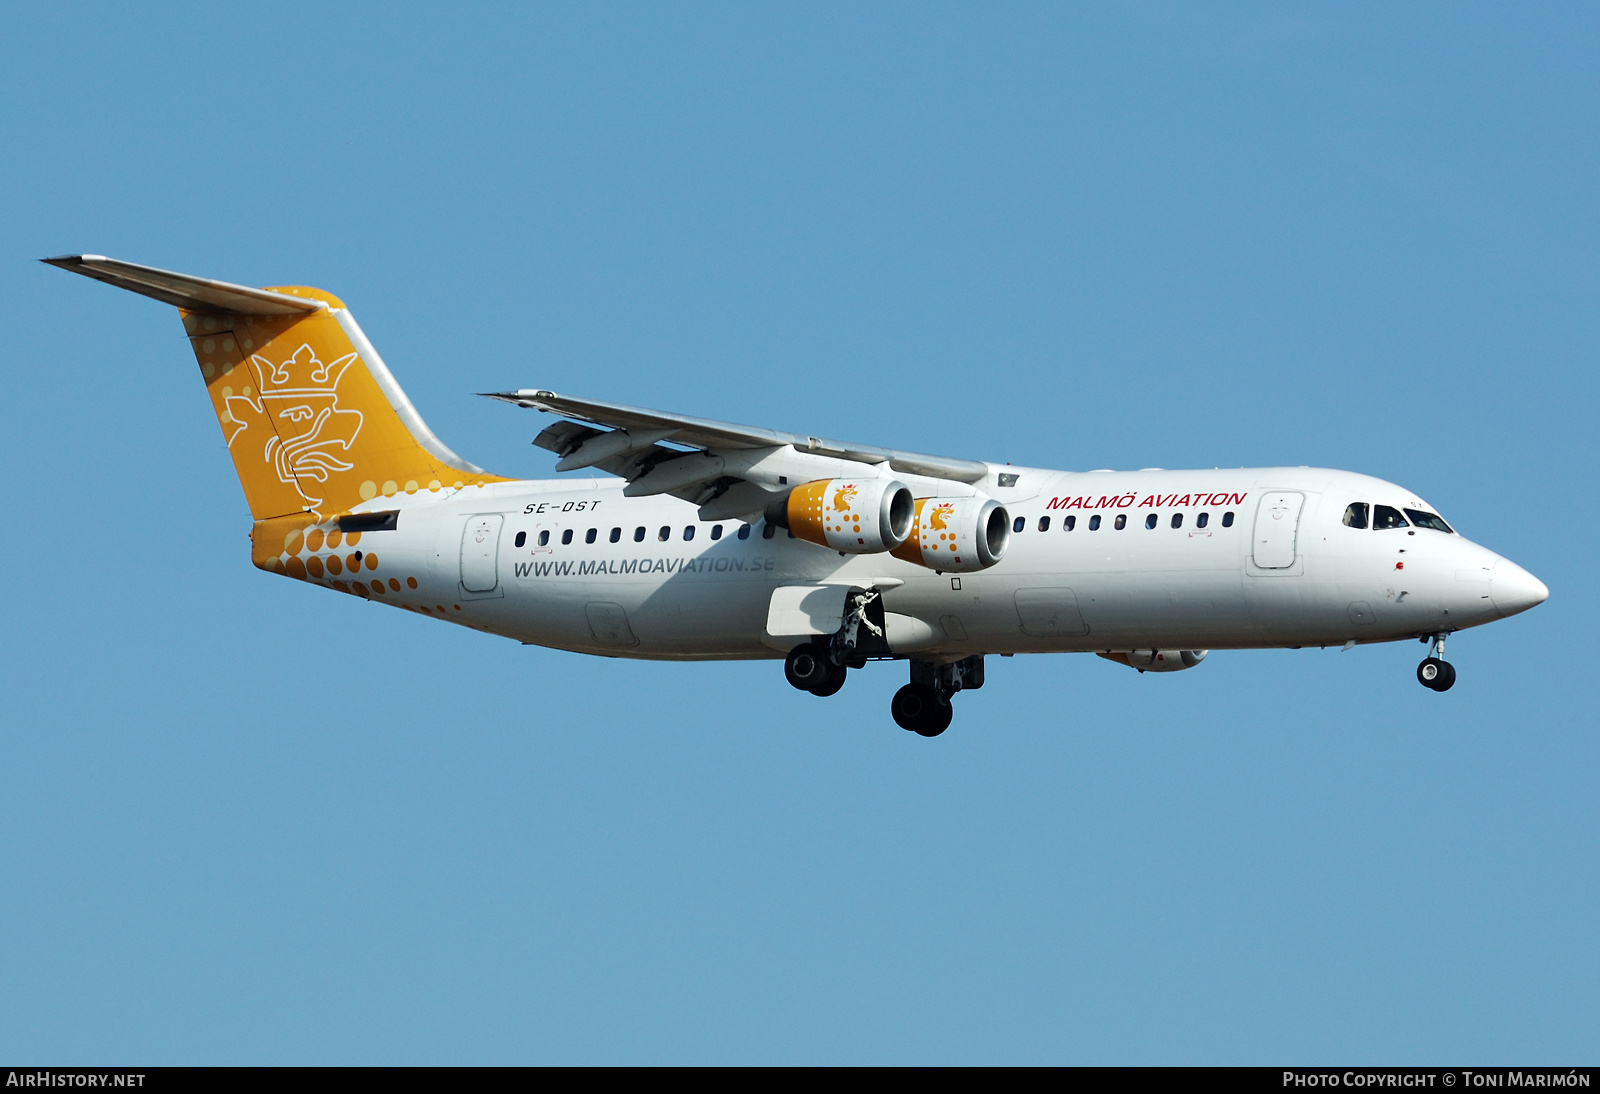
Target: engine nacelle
{"x": 856, "y": 516}
{"x": 957, "y": 535}
{"x": 1157, "y": 660}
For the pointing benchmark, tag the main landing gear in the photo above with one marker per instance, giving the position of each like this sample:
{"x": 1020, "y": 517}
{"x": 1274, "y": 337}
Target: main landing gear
{"x": 819, "y": 666}
{"x": 921, "y": 709}
{"x": 1435, "y": 672}
{"x": 810, "y": 667}
{"x": 922, "y": 706}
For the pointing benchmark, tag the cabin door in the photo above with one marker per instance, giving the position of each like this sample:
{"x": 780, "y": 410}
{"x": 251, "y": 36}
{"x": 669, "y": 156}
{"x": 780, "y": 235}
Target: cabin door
{"x": 480, "y": 553}
{"x": 1277, "y": 524}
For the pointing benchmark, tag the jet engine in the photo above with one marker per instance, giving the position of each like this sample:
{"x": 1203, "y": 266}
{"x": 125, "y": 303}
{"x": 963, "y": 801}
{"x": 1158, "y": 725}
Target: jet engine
{"x": 856, "y": 516}
{"x": 1157, "y": 660}
{"x": 957, "y": 535}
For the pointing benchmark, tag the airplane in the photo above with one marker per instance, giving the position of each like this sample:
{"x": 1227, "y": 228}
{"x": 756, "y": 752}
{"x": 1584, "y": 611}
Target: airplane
{"x": 704, "y": 540}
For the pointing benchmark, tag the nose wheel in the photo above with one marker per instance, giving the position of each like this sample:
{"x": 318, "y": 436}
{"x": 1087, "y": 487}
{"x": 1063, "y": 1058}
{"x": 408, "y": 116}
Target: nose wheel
{"x": 1435, "y": 672}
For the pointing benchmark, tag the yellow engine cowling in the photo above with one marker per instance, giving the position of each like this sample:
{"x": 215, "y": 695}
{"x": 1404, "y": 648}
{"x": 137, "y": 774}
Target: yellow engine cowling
{"x": 856, "y": 516}
{"x": 958, "y": 535}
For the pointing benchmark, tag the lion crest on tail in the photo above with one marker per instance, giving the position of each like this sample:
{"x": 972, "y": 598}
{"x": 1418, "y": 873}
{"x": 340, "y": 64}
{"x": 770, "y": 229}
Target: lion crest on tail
{"x": 298, "y": 418}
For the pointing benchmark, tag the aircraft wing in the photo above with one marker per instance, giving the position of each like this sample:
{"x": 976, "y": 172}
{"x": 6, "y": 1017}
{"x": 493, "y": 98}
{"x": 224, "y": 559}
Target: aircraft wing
{"x": 728, "y": 470}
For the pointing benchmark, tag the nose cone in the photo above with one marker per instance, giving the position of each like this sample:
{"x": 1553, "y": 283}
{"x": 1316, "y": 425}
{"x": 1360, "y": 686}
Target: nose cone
{"x": 1514, "y": 589}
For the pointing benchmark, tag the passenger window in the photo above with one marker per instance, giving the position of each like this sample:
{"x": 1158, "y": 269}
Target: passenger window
{"x": 1227, "y": 520}
{"x": 716, "y": 531}
{"x": 665, "y": 533}
{"x": 1385, "y": 517}
{"x": 768, "y": 531}
{"x": 1151, "y": 521}
{"x": 1122, "y": 521}
{"x": 1044, "y": 524}
{"x": 544, "y": 538}
{"x": 522, "y": 538}
{"x": 744, "y": 531}
{"x": 1019, "y": 524}
{"x": 589, "y": 536}
{"x": 1094, "y": 523}
{"x": 616, "y": 535}
{"x": 1177, "y": 520}
{"x": 638, "y": 534}
{"x": 1202, "y": 520}
{"x": 688, "y": 532}
{"x": 566, "y": 537}
{"x": 1068, "y": 523}
{"x": 1355, "y": 515}
{"x": 1428, "y": 520}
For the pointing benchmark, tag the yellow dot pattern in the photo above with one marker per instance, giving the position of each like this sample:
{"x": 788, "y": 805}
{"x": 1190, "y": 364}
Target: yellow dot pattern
{"x": 321, "y": 554}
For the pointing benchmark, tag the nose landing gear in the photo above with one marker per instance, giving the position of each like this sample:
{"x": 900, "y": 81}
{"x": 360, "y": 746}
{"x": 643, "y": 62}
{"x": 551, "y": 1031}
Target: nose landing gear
{"x": 1435, "y": 672}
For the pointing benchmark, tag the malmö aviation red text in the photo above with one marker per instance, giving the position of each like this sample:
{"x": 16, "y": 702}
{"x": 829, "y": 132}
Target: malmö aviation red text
{"x": 1151, "y": 501}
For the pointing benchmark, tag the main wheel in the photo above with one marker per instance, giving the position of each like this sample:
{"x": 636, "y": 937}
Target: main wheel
{"x": 833, "y": 683}
{"x": 919, "y": 710}
{"x": 1436, "y": 674}
{"x": 809, "y": 669}
{"x": 910, "y": 706}
{"x": 938, "y": 720}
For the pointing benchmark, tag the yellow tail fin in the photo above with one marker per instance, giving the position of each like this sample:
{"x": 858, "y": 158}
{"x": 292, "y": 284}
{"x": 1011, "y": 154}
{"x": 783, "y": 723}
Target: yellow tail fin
{"x": 313, "y": 419}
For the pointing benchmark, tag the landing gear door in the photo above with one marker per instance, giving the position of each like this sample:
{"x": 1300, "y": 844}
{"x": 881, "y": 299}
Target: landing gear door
{"x": 1277, "y": 526}
{"x": 798, "y": 612}
{"x": 480, "y": 553}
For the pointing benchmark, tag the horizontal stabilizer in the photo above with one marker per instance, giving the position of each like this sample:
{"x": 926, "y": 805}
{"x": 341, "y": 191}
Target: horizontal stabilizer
{"x": 184, "y": 291}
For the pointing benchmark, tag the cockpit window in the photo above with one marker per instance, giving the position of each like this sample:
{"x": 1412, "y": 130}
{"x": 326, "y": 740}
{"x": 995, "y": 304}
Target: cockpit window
{"x": 1428, "y": 520}
{"x": 1355, "y": 515}
{"x": 1385, "y": 517}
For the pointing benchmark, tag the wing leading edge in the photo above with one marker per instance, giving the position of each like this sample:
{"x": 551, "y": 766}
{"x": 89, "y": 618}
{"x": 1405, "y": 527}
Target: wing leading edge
{"x": 734, "y": 469}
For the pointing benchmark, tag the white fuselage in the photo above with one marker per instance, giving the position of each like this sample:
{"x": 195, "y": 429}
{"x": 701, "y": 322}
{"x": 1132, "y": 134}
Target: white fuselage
{"x": 1282, "y": 570}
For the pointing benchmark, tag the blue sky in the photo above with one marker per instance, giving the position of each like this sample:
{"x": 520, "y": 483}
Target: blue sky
{"x": 244, "y": 821}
